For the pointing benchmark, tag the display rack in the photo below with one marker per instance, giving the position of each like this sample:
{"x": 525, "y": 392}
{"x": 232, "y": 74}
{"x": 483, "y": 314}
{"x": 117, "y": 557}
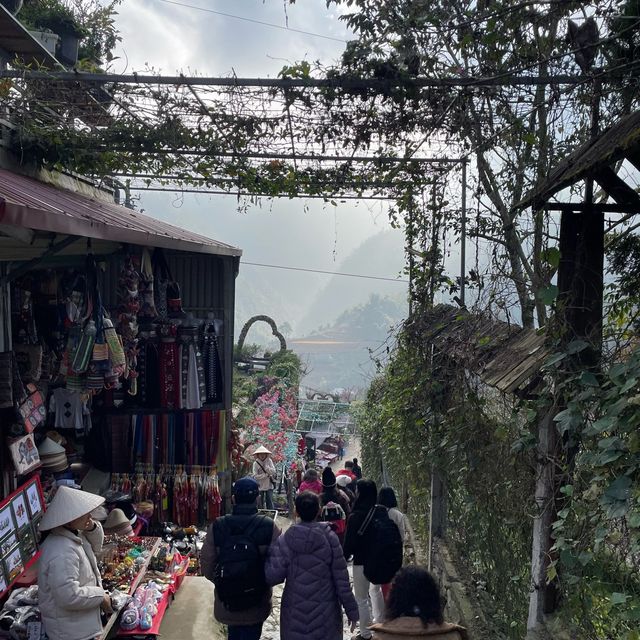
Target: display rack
{"x": 134, "y": 585}
{"x": 20, "y": 513}
{"x": 163, "y": 604}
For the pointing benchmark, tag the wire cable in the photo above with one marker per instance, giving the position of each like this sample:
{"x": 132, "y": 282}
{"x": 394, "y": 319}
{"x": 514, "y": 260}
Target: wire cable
{"x": 252, "y": 20}
{"x": 331, "y": 273}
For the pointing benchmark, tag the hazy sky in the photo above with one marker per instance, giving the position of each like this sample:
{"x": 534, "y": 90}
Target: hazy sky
{"x": 171, "y": 38}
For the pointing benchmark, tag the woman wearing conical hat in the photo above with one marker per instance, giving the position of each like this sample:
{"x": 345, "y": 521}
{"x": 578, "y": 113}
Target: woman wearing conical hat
{"x": 69, "y": 586}
{"x": 264, "y": 471}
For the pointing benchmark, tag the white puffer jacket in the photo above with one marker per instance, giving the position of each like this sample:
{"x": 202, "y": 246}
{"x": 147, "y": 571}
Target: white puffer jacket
{"x": 69, "y": 587}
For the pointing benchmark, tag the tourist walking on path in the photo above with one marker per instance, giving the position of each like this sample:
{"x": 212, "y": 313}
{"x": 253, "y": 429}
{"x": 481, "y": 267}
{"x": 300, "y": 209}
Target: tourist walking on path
{"x": 387, "y": 498}
{"x": 310, "y": 482}
{"x": 357, "y": 545}
{"x": 335, "y": 504}
{"x": 233, "y": 557}
{"x": 309, "y": 559}
{"x": 264, "y": 471}
{"x": 357, "y": 469}
{"x": 414, "y": 610}
{"x": 344, "y": 484}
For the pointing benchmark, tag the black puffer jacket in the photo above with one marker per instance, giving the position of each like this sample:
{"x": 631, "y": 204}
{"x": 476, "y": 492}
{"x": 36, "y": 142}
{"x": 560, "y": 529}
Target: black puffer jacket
{"x": 357, "y": 545}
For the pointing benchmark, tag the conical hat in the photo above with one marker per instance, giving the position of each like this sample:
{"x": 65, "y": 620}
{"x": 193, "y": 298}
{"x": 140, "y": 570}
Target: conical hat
{"x": 115, "y": 519}
{"x": 261, "y": 449}
{"x": 49, "y": 447}
{"x": 67, "y": 505}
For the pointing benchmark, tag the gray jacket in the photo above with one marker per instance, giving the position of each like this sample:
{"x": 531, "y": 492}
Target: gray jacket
{"x": 69, "y": 586}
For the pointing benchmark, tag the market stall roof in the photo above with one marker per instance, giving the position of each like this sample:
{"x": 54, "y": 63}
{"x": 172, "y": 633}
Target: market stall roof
{"x": 18, "y": 44}
{"x": 26, "y": 203}
{"x": 594, "y": 159}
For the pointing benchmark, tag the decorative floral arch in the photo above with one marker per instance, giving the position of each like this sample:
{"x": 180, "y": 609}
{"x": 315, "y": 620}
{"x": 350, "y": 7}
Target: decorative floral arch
{"x": 274, "y": 328}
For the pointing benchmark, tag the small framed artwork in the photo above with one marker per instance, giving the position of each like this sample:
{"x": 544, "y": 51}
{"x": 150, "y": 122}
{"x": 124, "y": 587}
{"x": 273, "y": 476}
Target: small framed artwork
{"x": 27, "y": 545}
{"x": 13, "y": 565}
{"x": 3, "y": 580}
{"x": 33, "y": 499}
{"x": 8, "y": 543}
{"x": 7, "y": 524}
{"x": 20, "y": 510}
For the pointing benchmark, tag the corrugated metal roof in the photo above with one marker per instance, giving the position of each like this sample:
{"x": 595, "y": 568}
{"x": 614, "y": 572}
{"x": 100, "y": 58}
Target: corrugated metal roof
{"x": 17, "y": 40}
{"x": 31, "y": 204}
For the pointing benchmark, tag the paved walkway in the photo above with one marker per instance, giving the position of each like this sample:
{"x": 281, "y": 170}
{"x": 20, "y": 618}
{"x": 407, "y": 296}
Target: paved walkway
{"x": 190, "y": 616}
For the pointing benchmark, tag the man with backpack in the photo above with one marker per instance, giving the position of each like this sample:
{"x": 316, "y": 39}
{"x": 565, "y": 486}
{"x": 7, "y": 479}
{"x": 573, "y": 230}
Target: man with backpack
{"x": 233, "y": 558}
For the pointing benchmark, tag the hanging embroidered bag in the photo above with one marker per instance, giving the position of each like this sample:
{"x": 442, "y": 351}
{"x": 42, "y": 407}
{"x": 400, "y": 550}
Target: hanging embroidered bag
{"x": 145, "y": 287}
{"x": 32, "y": 410}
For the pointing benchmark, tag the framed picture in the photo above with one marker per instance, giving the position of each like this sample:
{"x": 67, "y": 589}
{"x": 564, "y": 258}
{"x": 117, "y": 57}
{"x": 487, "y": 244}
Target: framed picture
{"x": 3, "y": 580}
{"x": 33, "y": 499}
{"x": 8, "y": 543}
{"x": 19, "y": 507}
{"x": 7, "y": 524}
{"x": 27, "y": 545}
{"x": 13, "y": 565}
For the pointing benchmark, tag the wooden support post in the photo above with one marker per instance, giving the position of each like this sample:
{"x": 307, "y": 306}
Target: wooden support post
{"x": 580, "y": 281}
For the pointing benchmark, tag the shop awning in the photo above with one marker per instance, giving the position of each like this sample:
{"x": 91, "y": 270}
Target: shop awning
{"x": 28, "y": 204}
{"x": 19, "y": 43}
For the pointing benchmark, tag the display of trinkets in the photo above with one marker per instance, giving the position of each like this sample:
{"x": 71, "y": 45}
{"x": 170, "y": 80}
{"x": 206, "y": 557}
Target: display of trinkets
{"x": 122, "y": 560}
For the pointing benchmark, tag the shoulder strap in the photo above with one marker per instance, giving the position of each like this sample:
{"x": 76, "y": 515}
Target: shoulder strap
{"x": 367, "y": 521}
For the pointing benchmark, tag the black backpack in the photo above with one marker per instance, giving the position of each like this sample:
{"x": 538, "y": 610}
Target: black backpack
{"x": 239, "y": 570}
{"x": 384, "y": 552}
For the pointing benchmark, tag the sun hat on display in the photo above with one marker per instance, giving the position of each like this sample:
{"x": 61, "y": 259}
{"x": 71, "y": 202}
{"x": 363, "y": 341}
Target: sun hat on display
{"x": 117, "y": 523}
{"x": 67, "y": 505}
{"x": 261, "y": 449}
{"x": 115, "y": 518}
{"x": 50, "y": 448}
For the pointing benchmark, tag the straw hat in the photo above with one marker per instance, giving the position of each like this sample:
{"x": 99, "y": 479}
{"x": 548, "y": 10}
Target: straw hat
{"x": 261, "y": 449}
{"x": 117, "y": 523}
{"x": 67, "y": 505}
{"x": 50, "y": 448}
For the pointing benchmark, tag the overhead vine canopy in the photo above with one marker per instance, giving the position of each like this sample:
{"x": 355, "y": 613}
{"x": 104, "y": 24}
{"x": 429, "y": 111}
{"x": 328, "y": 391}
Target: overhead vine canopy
{"x": 510, "y": 86}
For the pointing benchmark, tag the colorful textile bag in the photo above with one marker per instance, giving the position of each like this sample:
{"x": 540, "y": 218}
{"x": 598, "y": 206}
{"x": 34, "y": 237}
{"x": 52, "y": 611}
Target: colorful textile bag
{"x": 32, "y": 410}
{"x": 84, "y": 351}
{"x": 29, "y": 359}
{"x": 145, "y": 287}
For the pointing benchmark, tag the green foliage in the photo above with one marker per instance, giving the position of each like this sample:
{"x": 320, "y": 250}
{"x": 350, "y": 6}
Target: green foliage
{"x": 418, "y": 415}
{"x": 597, "y": 533}
{"x": 93, "y": 21}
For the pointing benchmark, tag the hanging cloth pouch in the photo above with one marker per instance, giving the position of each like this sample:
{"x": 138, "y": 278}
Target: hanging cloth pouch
{"x": 83, "y": 353}
{"x": 116, "y": 351}
{"x": 146, "y": 288}
{"x": 161, "y": 278}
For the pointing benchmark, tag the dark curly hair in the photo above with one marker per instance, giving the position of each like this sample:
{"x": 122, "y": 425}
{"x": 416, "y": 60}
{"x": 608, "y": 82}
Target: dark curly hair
{"x": 415, "y": 593}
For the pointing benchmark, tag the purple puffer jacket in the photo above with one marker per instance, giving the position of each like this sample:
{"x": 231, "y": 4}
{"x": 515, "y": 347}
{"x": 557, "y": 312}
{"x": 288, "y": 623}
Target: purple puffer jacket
{"x": 310, "y": 558}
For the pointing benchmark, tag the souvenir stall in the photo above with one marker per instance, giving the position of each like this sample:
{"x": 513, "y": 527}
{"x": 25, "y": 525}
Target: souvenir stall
{"x": 116, "y": 338}
{"x": 140, "y": 574}
{"x": 116, "y": 343}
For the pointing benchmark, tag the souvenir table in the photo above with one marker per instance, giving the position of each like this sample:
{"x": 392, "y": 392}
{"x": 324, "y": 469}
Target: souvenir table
{"x": 159, "y": 567}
